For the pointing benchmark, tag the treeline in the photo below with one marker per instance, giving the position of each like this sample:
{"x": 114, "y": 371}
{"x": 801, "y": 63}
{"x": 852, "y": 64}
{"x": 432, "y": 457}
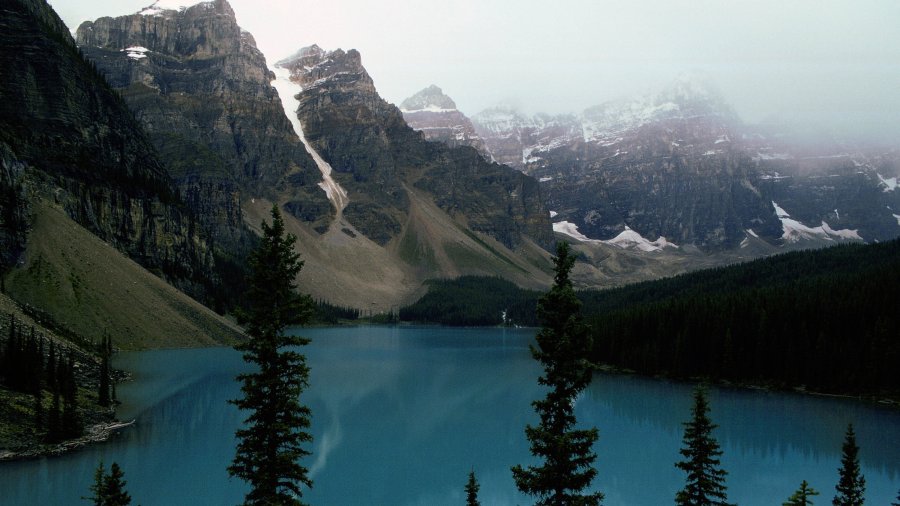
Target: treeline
{"x": 29, "y": 368}
{"x": 826, "y": 319}
{"x": 474, "y": 301}
{"x": 328, "y": 313}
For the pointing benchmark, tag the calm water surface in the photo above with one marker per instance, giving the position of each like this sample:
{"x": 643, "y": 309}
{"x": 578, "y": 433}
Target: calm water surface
{"x": 401, "y": 414}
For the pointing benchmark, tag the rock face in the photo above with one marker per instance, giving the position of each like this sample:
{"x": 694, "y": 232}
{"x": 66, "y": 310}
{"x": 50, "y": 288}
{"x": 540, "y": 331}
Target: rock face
{"x": 511, "y": 137}
{"x": 379, "y": 159}
{"x": 66, "y": 136}
{"x": 201, "y": 88}
{"x": 680, "y": 165}
{"x": 434, "y": 114}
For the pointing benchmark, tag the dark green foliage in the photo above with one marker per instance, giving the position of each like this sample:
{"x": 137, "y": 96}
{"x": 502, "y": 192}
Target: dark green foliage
{"x": 103, "y": 393}
{"x": 472, "y": 490}
{"x": 851, "y": 487}
{"x": 898, "y": 500}
{"x": 567, "y": 468}
{"x": 825, "y": 319}
{"x": 72, "y": 425}
{"x": 705, "y": 479}
{"x": 802, "y": 496}
{"x": 109, "y": 489}
{"x": 21, "y": 360}
{"x": 474, "y": 301}
{"x": 271, "y": 442}
{"x": 331, "y": 314}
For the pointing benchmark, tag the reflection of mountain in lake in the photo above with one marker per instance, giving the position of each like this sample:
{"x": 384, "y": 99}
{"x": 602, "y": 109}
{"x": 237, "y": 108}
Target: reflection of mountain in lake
{"x": 400, "y": 416}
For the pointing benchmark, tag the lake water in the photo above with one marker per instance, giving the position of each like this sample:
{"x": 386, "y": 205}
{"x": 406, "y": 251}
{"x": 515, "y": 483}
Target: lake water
{"x": 401, "y": 414}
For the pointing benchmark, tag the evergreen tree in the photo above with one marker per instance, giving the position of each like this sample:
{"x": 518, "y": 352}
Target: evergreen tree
{"x": 563, "y": 343}
{"x": 898, "y": 500}
{"x": 72, "y": 426}
{"x": 472, "y": 490}
{"x": 109, "y": 489}
{"x": 271, "y": 443}
{"x": 802, "y": 496}
{"x": 103, "y": 394}
{"x": 851, "y": 487}
{"x": 705, "y": 479}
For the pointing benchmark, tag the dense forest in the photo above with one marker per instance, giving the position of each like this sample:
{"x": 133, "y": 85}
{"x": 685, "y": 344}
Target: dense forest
{"x": 826, "y": 319}
{"x": 474, "y": 301}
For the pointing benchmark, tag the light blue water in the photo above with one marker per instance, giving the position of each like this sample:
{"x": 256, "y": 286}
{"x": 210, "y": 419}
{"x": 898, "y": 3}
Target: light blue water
{"x": 402, "y": 414}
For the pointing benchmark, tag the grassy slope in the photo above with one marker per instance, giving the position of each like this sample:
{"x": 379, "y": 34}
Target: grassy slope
{"x": 87, "y": 286}
{"x": 350, "y": 270}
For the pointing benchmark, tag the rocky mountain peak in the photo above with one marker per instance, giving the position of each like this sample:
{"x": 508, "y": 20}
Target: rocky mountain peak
{"x": 172, "y": 27}
{"x": 430, "y": 99}
{"x": 312, "y": 66}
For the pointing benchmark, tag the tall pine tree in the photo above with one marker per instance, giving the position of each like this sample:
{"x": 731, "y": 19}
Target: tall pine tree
{"x": 705, "y": 478}
{"x": 271, "y": 443}
{"x": 851, "y": 487}
{"x": 472, "y": 490}
{"x": 802, "y": 496}
{"x": 103, "y": 392}
{"x": 563, "y": 343}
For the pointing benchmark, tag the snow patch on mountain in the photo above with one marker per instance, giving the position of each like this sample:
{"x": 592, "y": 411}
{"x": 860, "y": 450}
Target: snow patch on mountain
{"x": 627, "y": 239}
{"x": 136, "y": 52}
{"x": 794, "y": 231}
{"x": 288, "y": 91}
{"x": 161, "y": 6}
{"x": 890, "y": 184}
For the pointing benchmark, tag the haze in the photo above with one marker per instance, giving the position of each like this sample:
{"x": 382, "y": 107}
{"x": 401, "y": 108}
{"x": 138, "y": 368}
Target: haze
{"x": 835, "y": 65}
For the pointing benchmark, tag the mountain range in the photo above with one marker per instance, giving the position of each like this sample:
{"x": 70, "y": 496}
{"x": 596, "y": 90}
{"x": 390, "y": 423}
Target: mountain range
{"x": 165, "y": 137}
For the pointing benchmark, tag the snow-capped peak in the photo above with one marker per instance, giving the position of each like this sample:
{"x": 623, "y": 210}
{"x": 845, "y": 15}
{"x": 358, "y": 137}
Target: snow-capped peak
{"x": 160, "y": 6}
{"x": 430, "y": 99}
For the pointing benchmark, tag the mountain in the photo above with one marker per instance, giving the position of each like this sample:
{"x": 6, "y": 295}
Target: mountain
{"x": 434, "y": 114}
{"x": 511, "y": 137}
{"x": 678, "y": 165}
{"x": 201, "y": 88}
{"x": 71, "y": 148}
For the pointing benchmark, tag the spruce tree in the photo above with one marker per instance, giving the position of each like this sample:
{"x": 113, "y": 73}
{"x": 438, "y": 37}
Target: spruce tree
{"x": 109, "y": 489}
{"x": 103, "y": 393}
{"x": 802, "y": 496}
{"x": 270, "y": 444}
{"x": 705, "y": 479}
{"x": 563, "y": 343}
{"x": 851, "y": 487}
{"x": 472, "y": 490}
{"x": 898, "y": 500}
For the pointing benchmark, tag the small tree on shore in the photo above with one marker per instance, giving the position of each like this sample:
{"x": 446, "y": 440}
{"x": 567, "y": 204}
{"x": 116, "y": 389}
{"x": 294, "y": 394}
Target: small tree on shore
{"x": 271, "y": 443}
{"x": 705, "y": 478}
{"x": 802, "y": 496}
{"x": 563, "y": 343}
{"x": 851, "y": 487}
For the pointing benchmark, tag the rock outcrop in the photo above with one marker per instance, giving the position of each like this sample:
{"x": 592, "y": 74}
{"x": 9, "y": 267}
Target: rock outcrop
{"x": 201, "y": 88}
{"x": 66, "y": 136}
{"x": 378, "y": 158}
{"x": 434, "y": 114}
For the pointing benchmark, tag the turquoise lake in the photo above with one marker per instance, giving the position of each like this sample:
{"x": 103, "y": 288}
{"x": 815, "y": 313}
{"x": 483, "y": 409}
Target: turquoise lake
{"x": 401, "y": 414}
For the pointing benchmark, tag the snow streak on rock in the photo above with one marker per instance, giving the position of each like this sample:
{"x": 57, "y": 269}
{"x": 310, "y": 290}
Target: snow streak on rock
{"x": 794, "y": 231}
{"x": 288, "y": 91}
{"x": 627, "y": 239}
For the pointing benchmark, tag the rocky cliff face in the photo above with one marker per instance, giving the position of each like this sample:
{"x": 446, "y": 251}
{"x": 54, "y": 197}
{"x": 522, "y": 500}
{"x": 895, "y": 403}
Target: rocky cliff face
{"x": 434, "y": 114}
{"x": 67, "y": 137}
{"x": 378, "y": 158}
{"x": 201, "y": 88}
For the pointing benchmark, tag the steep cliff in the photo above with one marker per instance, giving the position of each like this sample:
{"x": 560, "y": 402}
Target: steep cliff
{"x": 66, "y": 136}
{"x": 201, "y": 88}
{"x": 378, "y": 158}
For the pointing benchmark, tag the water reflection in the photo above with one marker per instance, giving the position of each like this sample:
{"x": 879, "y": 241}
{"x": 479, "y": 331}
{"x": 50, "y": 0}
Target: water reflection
{"x": 400, "y": 416}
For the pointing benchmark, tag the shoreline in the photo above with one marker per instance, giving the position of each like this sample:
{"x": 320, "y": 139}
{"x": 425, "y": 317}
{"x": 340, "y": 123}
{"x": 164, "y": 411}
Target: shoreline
{"x": 96, "y": 433}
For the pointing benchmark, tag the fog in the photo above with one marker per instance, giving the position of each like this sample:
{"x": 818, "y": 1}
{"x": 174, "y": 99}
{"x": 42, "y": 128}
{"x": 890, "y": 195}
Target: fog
{"x": 828, "y": 64}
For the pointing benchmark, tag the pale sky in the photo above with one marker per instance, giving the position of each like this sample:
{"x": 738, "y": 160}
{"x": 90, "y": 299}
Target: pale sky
{"x": 823, "y": 62}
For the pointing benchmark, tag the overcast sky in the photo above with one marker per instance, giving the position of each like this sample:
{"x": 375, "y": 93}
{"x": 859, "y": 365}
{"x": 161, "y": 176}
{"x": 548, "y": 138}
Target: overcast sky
{"x": 818, "y": 61}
